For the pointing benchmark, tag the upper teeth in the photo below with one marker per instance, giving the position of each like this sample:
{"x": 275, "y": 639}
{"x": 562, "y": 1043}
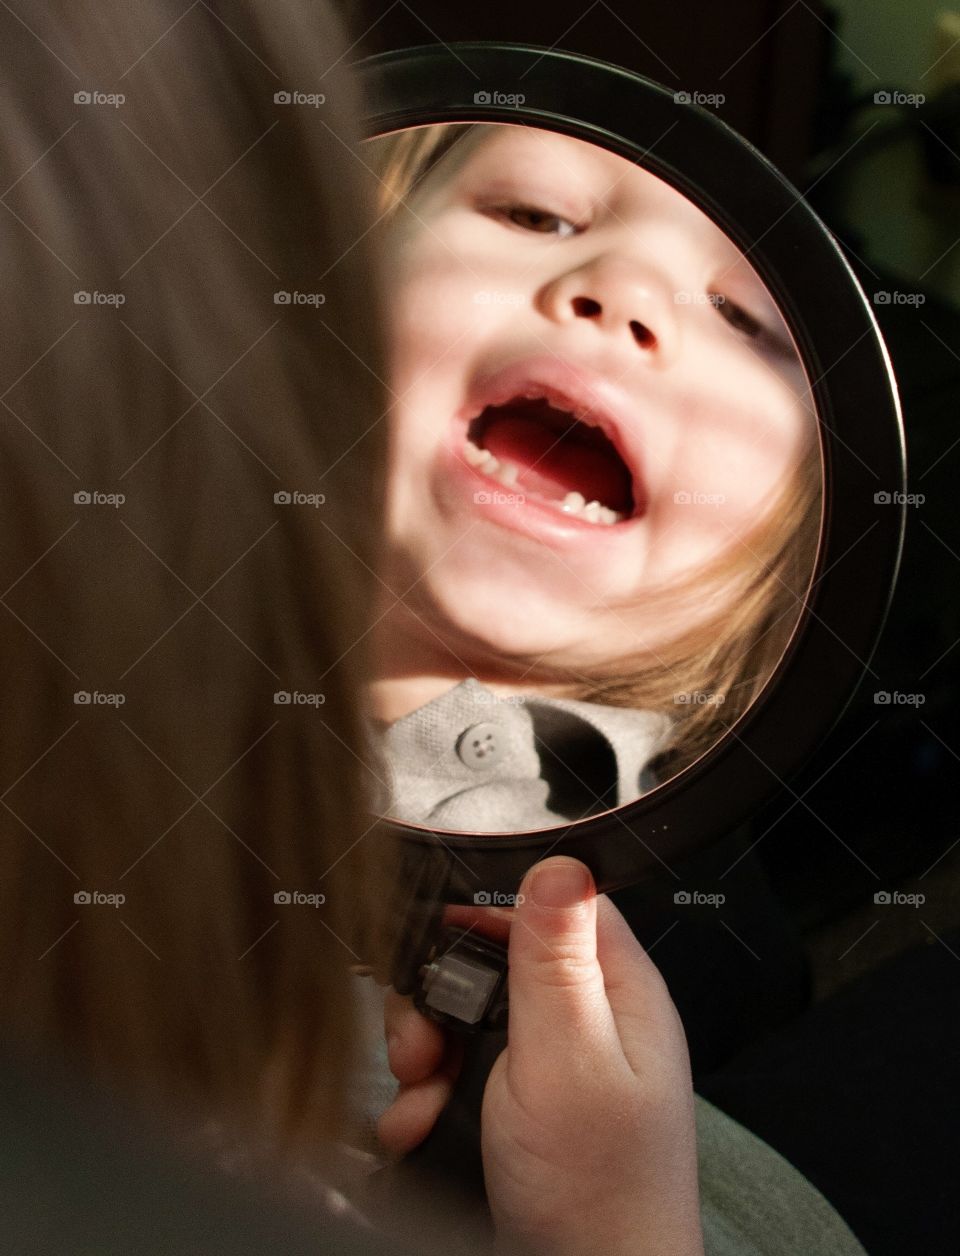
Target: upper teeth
{"x": 507, "y": 472}
{"x": 580, "y": 413}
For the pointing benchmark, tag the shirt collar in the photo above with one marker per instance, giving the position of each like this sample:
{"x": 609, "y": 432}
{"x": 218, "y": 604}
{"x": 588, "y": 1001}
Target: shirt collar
{"x": 474, "y": 761}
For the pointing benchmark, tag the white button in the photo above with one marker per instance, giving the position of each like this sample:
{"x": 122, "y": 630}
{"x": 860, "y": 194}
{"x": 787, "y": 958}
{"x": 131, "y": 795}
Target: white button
{"x": 481, "y": 745}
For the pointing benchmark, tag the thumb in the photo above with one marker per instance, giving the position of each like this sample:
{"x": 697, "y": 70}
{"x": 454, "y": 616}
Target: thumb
{"x": 557, "y": 996}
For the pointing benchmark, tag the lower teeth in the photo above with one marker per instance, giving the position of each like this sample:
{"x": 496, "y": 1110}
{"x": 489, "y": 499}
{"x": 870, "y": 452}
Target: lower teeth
{"x": 506, "y": 473}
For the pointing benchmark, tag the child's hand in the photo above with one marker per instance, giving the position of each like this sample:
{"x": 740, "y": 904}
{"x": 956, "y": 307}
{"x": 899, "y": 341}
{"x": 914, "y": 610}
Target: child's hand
{"x": 424, "y": 1057}
{"x": 423, "y": 1060}
{"x": 588, "y": 1133}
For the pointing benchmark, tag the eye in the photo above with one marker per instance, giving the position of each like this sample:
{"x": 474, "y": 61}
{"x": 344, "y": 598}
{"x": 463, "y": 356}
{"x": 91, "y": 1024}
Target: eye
{"x": 751, "y": 327}
{"x": 541, "y": 221}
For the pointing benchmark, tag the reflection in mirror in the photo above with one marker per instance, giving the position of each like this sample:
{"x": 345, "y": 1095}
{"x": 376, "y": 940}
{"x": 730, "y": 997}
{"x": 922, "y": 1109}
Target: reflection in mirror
{"x": 604, "y": 498}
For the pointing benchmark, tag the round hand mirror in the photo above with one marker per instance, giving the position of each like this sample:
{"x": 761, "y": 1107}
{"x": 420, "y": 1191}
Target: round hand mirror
{"x": 643, "y": 518}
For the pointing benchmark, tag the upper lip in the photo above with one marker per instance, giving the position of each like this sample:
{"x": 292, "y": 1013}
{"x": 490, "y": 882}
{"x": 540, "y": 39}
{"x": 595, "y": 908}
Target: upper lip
{"x": 590, "y": 396}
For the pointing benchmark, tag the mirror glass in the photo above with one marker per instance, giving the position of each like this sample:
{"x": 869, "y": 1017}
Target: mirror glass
{"x": 604, "y": 497}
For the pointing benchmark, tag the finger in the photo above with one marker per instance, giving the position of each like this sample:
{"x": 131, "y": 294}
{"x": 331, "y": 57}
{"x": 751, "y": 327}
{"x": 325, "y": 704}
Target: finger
{"x": 413, "y": 1113}
{"x": 646, "y": 1018}
{"x": 491, "y": 922}
{"x": 559, "y": 1015}
{"x": 415, "y": 1044}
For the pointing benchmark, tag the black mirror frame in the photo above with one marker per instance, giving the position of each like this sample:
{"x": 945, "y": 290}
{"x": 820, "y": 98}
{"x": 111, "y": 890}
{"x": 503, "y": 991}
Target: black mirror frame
{"x": 852, "y": 388}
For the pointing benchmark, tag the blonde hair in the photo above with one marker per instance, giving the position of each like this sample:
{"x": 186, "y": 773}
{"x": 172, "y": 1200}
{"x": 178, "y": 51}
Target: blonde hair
{"x": 730, "y": 657}
{"x": 200, "y": 596}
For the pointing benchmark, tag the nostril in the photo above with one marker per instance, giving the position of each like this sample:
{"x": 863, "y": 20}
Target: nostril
{"x": 644, "y": 336}
{"x": 585, "y": 307}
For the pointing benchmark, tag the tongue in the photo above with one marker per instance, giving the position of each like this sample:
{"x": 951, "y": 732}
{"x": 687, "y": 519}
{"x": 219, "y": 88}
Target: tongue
{"x": 554, "y": 466}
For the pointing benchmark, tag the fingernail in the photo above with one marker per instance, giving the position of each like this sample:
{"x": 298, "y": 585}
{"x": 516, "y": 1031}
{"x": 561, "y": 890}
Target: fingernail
{"x": 560, "y": 883}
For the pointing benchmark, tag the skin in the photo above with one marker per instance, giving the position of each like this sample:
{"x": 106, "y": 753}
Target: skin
{"x": 588, "y": 1132}
{"x": 585, "y": 253}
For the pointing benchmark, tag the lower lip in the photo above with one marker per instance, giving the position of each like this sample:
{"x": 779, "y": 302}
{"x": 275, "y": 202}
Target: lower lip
{"x": 531, "y": 517}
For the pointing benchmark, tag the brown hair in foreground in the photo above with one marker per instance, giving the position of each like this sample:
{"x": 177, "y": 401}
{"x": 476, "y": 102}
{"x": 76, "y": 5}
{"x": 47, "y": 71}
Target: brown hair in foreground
{"x": 143, "y": 753}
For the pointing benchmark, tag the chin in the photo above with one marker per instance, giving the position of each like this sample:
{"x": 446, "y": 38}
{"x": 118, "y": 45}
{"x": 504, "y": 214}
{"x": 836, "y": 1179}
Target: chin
{"x": 500, "y": 627}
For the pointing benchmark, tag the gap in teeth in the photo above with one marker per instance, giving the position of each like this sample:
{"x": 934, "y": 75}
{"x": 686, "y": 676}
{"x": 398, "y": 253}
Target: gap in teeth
{"x": 506, "y": 473}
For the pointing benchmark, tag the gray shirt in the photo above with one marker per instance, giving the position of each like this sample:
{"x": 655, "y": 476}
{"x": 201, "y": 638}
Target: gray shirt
{"x": 472, "y": 761}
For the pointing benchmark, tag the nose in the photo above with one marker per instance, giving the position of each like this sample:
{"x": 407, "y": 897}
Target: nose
{"x": 630, "y": 302}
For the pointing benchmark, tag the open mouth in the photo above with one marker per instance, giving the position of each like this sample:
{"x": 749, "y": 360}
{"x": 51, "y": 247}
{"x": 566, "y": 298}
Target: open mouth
{"x": 553, "y": 455}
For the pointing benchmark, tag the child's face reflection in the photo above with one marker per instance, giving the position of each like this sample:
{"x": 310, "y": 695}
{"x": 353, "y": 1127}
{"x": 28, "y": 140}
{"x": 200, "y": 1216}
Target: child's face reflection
{"x": 530, "y": 249}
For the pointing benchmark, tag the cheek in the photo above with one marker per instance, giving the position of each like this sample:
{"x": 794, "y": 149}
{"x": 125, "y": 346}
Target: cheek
{"x": 443, "y": 309}
{"x": 756, "y": 430}
{"x": 432, "y": 310}
{"x": 783, "y": 428}
{"x": 735, "y": 452}
{"x": 447, "y": 286}
{"x": 435, "y": 328}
